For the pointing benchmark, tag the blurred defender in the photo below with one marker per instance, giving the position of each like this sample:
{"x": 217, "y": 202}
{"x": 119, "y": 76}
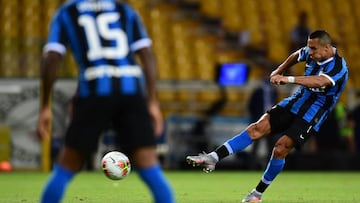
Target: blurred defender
{"x": 104, "y": 36}
{"x": 297, "y": 117}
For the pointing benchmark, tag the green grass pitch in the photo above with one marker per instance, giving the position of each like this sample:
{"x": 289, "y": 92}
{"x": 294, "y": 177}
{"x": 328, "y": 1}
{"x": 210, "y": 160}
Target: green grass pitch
{"x": 190, "y": 187}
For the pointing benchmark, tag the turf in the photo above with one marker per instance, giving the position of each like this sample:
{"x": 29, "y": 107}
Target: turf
{"x": 190, "y": 187}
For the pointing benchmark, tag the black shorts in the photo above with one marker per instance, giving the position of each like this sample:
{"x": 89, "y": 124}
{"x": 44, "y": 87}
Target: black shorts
{"x": 128, "y": 116}
{"x": 284, "y": 122}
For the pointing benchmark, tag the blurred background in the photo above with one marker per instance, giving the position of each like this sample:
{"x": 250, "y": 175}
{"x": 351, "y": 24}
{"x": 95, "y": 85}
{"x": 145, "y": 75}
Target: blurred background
{"x": 196, "y": 42}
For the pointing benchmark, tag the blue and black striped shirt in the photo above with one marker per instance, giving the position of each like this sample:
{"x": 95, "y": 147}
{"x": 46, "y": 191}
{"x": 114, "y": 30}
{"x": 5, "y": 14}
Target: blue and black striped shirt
{"x": 103, "y": 36}
{"x": 314, "y": 104}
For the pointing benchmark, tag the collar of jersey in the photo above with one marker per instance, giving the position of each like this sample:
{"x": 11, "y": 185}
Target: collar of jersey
{"x": 326, "y": 61}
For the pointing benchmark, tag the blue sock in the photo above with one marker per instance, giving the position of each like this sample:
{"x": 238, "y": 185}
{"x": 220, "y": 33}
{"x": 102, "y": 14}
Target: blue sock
{"x": 157, "y": 183}
{"x": 56, "y": 185}
{"x": 238, "y": 142}
{"x": 273, "y": 168}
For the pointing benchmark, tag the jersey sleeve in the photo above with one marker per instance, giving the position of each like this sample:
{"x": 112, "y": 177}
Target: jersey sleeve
{"x": 335, "y": 71}
{"x": 140, "y": 35}
{"x": 303, "y": 54}
{"x": 56, "y": 37}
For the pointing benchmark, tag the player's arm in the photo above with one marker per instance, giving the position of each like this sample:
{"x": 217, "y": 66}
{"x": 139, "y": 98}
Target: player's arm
{"x": 277, "y": 78}
{"x": 289, "y": 61}
{"x": 49, "y": 65}
{"x": 147, "y": 59}
{"x": 148, "y": 62}
{"x": 313, "y": 81}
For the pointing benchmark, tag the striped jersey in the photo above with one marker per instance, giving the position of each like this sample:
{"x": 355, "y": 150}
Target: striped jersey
{"x": 314, "y": 104}
{"x": 103, "y": 36}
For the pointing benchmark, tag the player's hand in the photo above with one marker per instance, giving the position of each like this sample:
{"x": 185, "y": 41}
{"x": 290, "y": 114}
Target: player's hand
{"x": 156, "y": 116}
{"x": 275, "y": 72}
{"x": 44, "y": 123}
{"x": 279, "y": 79}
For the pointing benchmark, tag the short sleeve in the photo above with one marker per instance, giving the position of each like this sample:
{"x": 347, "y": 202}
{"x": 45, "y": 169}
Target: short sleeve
{"x": 56, "y": 36}
{"x": 303, "y": 54}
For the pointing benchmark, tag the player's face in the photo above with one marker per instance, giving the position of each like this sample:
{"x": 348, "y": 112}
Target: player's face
{"x": 318, "y": 52}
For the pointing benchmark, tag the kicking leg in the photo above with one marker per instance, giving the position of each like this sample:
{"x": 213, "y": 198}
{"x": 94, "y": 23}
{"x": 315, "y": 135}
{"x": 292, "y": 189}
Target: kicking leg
{"x": 236, "y": 144}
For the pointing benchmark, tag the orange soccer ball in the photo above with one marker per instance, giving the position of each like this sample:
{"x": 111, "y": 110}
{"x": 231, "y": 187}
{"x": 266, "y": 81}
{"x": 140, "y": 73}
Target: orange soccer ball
{"x": 5, "y": 166}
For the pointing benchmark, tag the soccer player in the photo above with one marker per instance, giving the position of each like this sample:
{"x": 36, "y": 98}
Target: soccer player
{"x": 104, "y": 36}
{"x": 296, "y": 117}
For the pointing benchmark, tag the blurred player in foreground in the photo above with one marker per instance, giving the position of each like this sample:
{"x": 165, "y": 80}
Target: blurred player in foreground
{"x": 104, "y": 36}
{"x": 297, "y": 117}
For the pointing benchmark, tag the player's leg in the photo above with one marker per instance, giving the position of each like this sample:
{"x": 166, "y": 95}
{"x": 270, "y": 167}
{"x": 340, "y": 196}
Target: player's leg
{"x": 149, "y": 169}
{"x": 236, "y": 144}
{"x": 277, "y": 161}
{"x": 70, "y": 162}
{"x": 81, "y": 140}
{"x": 136, "y": 135}
{"x": 295, "y": 135}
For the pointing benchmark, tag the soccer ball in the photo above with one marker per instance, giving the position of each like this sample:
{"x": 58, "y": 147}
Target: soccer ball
{"x": 116, "y": 165}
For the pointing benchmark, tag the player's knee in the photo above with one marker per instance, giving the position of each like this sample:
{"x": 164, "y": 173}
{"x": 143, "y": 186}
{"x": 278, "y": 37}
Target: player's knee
{"x": 258, "y": 129}
{"x": 281, "y": 150}
{"x": 252, "y": 130}
{"x": 145, "y": 157}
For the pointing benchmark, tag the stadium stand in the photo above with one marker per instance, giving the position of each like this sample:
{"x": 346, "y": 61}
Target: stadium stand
{"x": 188, "y": 48}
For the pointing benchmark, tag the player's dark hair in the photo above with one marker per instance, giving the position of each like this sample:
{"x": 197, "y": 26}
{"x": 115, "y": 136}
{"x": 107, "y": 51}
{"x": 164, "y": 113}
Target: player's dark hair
{"x": 322, "y": 35}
